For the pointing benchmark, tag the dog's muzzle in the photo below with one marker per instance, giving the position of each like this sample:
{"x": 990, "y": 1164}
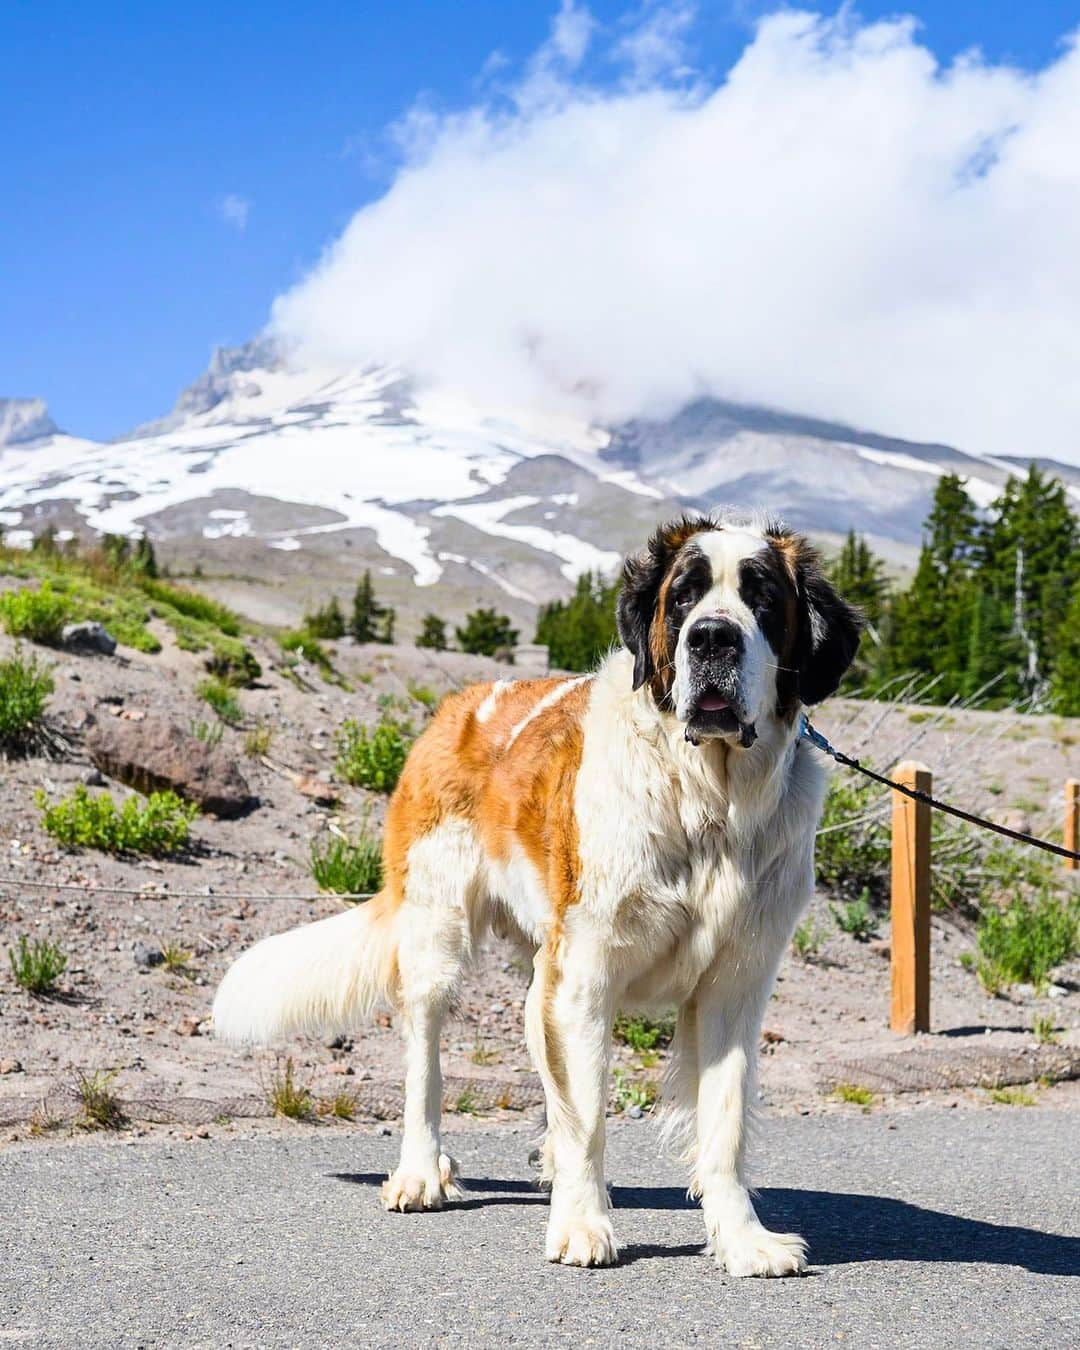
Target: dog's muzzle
{"x": 715, "y": 647}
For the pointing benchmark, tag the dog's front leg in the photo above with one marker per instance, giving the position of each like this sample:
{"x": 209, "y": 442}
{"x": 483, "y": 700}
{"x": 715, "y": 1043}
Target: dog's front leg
{"x": 568, "y": 1016}
{"x": 728, "y": 1027}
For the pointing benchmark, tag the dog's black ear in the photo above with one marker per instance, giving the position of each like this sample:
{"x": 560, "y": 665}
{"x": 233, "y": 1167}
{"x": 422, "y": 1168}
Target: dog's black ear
{"x": 829, "y": 631}
{"x": 643, "y": 575}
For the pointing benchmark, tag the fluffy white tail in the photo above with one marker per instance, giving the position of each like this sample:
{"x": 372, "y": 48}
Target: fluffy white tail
{"x": 319, "y": 979}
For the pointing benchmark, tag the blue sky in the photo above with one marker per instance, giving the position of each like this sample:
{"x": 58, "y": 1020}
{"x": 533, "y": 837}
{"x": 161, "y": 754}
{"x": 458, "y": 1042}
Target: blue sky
{"x": 169, "y": 170}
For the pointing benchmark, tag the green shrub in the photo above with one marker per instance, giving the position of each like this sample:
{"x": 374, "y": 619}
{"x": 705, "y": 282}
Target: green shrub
{"x": 221, "y": 698}
{"x": 807, "y": 939}
{"x": 231, "y": 661}
{"x": 853, "y": 848}
{"x": 101, "y": 1107}
{"x": 424, "y": 694}
{"x": 192, "y": 605}
{"x": 299, "y": 642}
{"x": 36, "y": 615}
{"x": 36, "y": 966}
{"x": 373, "y": 757}
{"x": 25, "y": 686}
{"x": 641, "y": 1033}
{"x": 326, "y": 622}
{"x": 287, "y": 1096}
{"x": 855, "y": 917}
{"x": 157, "y": 824}
{"x": 1024, "y": 940}
{"x": 348, "y": 866}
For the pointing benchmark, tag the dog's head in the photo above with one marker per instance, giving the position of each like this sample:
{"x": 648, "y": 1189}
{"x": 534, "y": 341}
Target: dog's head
{"x": 731, "y": 622}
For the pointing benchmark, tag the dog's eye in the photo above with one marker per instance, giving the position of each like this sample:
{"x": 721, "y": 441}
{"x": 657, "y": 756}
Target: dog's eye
{"x": 684, "y": 598}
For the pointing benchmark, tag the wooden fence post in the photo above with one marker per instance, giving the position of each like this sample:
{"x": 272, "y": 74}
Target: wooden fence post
{"x": 910, "y": 1011}
{"x": 1072, "y": 821}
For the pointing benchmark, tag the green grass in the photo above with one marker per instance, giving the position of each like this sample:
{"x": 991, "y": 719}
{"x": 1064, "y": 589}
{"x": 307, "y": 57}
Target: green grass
{"x": 287, "y": 1096}
{"x": 1012, "y": 1096}
{"x": 219, "y": 695}
{"x": 373, "y": 757}
{"x": 101, "y": 1108}
{"x": 258, "y": 740}
{"x": 466, "y": 1103}
{"x": 1026, "y": 938}
{"x": 25, "y": 686}
{"x": 1045, "y": 1029}
{"x": 807, "y": 939}
{"x": 37, "y": 615}
{"x": 100, "y": 585}
{"x": 176, "y": 960}
{"x": 36, "y": 966}
{"x": 482, "y": 1054}
{"x": 348, "y": 866}
{"x": 627, "y": 1092}
{"x": 426, "y": 695}
{"x": 643, "y": 1034}
{"x": 210, "y": 733}
{"x": 854, "y": 1095}
{"x": 299, "y": 642}
{"x": 158, "y": 824}
{"x": 341, "y": 1106}
{"x": 856, "y": 918}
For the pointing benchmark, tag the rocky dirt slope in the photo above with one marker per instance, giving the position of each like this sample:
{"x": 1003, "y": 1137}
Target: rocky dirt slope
{"x": 249, "y": 876}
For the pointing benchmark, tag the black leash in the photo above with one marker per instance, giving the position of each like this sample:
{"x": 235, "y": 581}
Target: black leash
{"x": 811, "y": 734}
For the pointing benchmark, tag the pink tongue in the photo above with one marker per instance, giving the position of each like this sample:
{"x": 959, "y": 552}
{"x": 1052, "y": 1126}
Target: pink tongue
{"x": 712, "y": 702}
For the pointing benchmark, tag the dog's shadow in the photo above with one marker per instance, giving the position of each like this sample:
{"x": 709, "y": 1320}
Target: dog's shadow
{"x": 841, "y": 1228}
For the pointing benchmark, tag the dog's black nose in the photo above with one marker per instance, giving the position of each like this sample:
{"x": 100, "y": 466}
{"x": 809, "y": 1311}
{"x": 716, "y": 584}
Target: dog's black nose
{"x": 714, "y": 638}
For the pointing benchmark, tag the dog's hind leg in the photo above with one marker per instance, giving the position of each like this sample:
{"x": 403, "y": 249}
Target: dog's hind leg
{"x": 433, "y": 947}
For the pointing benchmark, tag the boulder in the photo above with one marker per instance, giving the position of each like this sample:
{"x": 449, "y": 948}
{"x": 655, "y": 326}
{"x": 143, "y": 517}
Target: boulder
{"x": 157, "y": 754}
{"x": 89, "y": 637}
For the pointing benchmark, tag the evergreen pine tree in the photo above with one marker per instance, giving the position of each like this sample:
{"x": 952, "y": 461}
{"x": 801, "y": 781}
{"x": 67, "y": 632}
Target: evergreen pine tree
{"x": 326, "y": 622}
{"x": 366, "y": 611}
{"x": 144, "y": 559}
{"x": 1065, "y": 679}
{"x": 486, "y": 632}
{"x": 386, "y": 625}
{"x": 433, "y": 633}
{"x": 1030, "y": 560}
{"x": 577, "y": 632}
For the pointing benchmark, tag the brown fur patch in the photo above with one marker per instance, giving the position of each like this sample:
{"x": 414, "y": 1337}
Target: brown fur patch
{"x": 519, "y": 794}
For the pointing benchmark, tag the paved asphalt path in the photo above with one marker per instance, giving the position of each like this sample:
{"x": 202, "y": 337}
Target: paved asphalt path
{"x": 937, "y": 1228}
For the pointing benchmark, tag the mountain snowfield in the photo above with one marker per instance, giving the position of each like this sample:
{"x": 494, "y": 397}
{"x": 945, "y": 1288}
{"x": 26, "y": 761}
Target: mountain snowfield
{"x": 290, "y": 458}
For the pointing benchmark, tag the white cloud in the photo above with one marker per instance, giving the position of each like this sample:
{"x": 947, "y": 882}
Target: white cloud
{"x": 234, "y": 211}
{"x": 840, "y": 227}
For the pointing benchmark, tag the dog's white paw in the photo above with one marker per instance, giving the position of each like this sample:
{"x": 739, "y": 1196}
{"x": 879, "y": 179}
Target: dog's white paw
{"x": 581, "y": 1240}
{"x": 753, "y": 1250}
{"x": 408, "y": 1190}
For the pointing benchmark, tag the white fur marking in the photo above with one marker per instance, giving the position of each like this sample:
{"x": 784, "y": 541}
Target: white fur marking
{"x": 487, "y": 708}
{"x": 548, "y": 701}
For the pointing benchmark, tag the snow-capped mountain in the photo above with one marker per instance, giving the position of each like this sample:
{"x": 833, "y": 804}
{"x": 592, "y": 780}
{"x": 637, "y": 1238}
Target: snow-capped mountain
{"x": 25, "y": 419}
{"x": 435, "y": 489}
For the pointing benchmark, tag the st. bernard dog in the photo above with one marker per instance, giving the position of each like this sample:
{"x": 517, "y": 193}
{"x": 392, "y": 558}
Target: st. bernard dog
{"x": 646, "y": 833}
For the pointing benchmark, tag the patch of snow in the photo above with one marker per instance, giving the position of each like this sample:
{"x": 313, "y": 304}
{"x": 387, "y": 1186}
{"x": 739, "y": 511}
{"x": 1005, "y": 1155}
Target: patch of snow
{"x": 578, "y": 556}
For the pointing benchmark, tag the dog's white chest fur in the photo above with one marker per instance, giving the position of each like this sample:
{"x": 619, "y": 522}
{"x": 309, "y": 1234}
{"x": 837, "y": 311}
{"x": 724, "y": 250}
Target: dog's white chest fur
{"x": 693, "y": 858}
